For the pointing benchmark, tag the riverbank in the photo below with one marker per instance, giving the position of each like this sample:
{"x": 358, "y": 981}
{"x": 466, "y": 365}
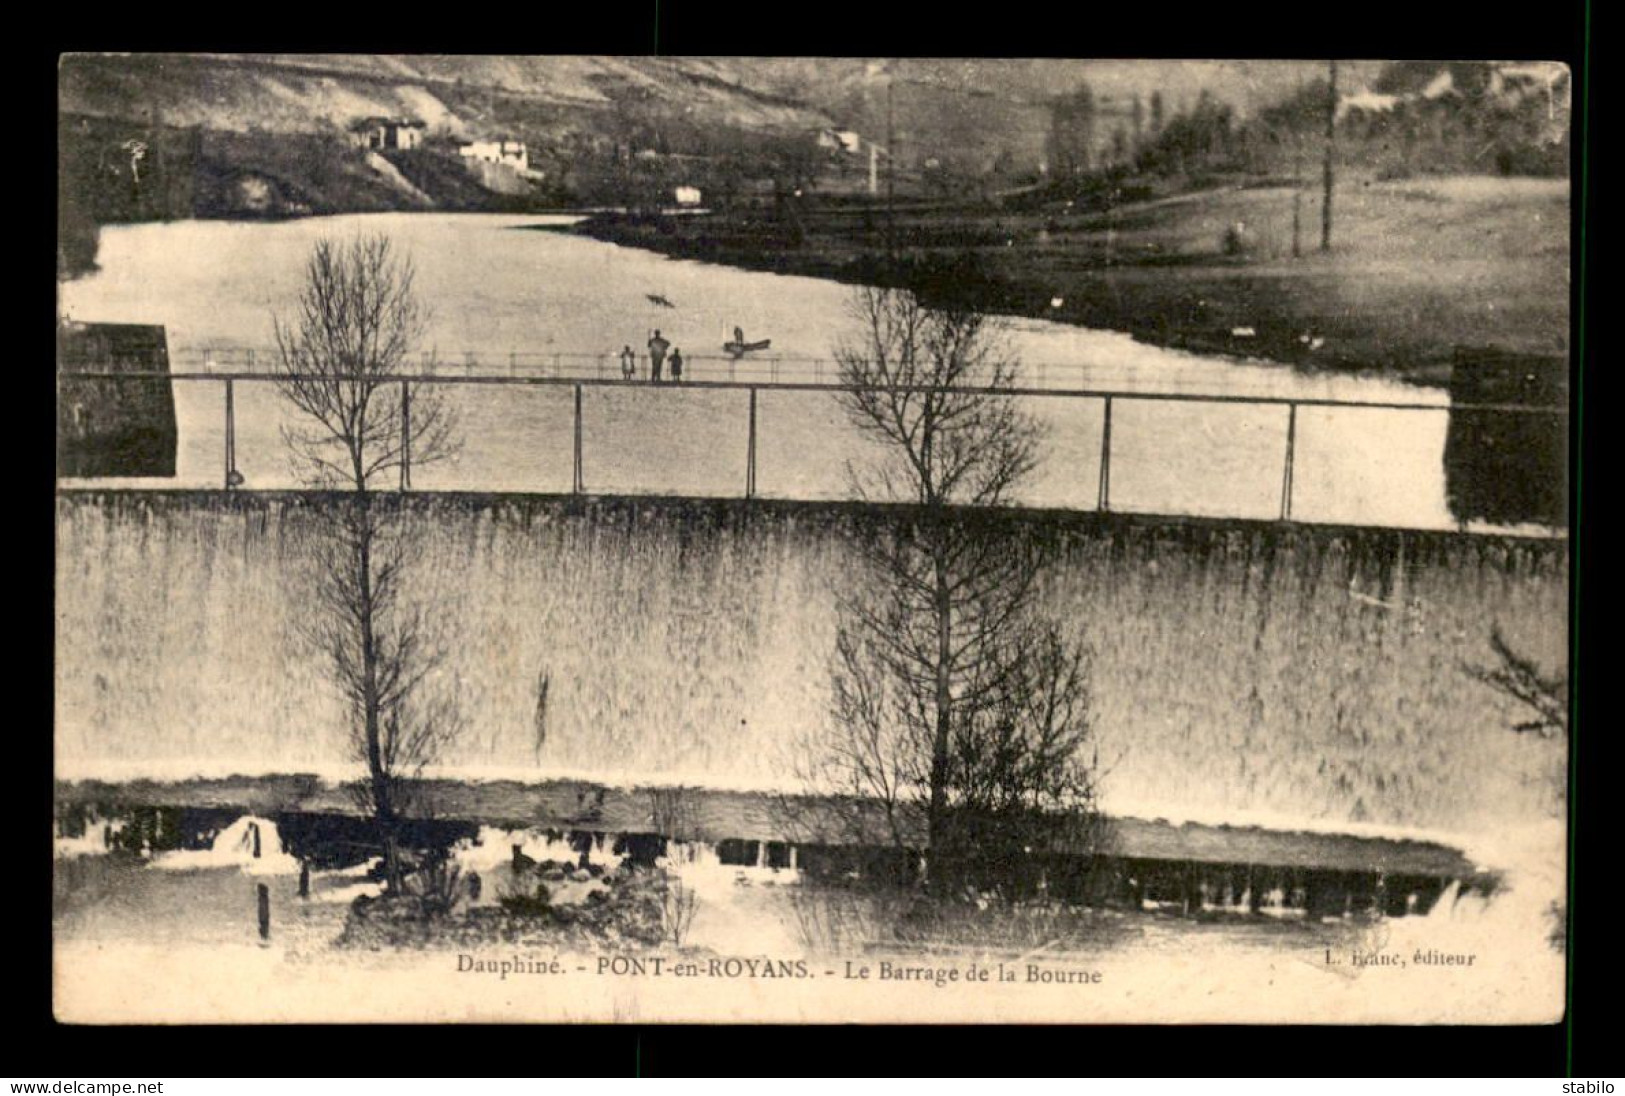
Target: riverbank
{"x": 140, "y": 923}
{"x": 1423, "y": 273}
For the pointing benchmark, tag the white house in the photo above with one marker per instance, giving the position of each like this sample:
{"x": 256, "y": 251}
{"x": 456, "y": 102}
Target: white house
{"x": 387, "y": 133}
{"x": 511, "y": 153}
{"x": 687, "y": 195}
{"x": 1441, "y": 85}
{"x": 1366, "y": 100}
{"x": 839, "y": 140}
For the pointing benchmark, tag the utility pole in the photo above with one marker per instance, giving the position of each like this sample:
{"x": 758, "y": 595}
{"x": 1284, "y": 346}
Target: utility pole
{"x": 1297, "y": 177}
{"x": 1331, "y": 138}
{"x": 1111, "y": 223}
{"x": 891, "y": 173}
{"x": 1297, "y": 195}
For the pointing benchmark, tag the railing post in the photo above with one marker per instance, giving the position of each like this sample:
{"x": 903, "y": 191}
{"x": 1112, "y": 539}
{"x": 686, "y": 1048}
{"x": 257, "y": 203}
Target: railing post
{"x": 231, "y": 438}
{"x": 750, "y": 450}
{"x": 406, "y": 436}
{"x": 577, "y": 485}
{"x": 1104, "y": 502}
{"x": 1286, "y": 472}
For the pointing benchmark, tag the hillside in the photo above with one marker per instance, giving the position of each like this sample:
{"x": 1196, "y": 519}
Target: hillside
{"x": 1135, "y": 234}
{"x": 463, "y": 97}
{"x": 158, "y": 136}
{"x": 973, "y": 111}
{"x": 615, "y": 131}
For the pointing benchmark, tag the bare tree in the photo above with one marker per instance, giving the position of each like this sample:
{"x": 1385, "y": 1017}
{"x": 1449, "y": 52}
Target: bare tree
{"x": 1072, "y": 132}
{"x": 1544, "y": 697}
{"x": 958, "y": 709}
{"x": 343, "y": 355}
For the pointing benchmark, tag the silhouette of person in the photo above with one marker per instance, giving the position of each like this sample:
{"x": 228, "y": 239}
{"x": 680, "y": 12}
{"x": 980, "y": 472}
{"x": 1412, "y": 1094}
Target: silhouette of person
{"x": 629, "y": 362}
{"x": 676, "y": 364}
{"x": 739, "y": 335}
{"x": 657, "y": 355}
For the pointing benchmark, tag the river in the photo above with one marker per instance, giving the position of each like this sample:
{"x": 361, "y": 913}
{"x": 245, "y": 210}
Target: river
{"x": 507, "y": 296}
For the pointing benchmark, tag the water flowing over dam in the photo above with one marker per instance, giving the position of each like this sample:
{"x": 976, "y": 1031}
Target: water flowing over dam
{"x": 1236, "y": 667}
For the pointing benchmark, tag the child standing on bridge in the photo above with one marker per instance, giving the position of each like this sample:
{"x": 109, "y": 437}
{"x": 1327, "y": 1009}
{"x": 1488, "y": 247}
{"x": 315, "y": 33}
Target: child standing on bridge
{"x": 629, "y": 362}
{"x": 676, "y": 364}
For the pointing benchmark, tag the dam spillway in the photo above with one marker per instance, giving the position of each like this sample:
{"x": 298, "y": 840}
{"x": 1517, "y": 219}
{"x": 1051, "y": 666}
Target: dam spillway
{"x": 1235, "y": 666}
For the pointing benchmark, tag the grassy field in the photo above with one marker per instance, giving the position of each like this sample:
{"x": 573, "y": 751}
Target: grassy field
{"x": 1419, "y": 270}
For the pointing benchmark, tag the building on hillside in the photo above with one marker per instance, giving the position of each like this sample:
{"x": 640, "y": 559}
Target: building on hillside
{"x": 1440, "y": 86}
{"x": 687, "y": 195}
{"x": 508, "y": 153}
{"x": 381, "y": 134}
{"x": 1366, "y": 100}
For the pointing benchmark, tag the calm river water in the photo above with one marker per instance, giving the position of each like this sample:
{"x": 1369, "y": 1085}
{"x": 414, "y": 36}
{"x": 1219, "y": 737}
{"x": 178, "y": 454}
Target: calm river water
{"x": 509, "y": 297}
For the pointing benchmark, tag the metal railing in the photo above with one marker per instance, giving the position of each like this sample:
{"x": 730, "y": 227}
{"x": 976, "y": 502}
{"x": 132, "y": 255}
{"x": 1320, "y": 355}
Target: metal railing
{"x": 1107, "y": 398}
{"x": 544, "y": 364}
{"x": 754, "y": 367}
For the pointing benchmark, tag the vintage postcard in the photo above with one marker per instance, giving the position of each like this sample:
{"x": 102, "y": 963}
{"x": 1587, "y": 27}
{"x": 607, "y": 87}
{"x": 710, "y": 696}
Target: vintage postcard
{"x": 811, "y": 539}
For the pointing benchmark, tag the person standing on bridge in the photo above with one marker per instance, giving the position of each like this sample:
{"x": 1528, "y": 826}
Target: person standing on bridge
{"x": 657, "y": 355}
{"x": 629, "y": 362}
{"x": 676, "y": 364}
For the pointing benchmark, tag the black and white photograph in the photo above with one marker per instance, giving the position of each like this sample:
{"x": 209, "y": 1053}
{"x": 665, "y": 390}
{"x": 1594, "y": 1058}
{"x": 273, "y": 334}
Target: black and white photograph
{"x": 818, "y": 540}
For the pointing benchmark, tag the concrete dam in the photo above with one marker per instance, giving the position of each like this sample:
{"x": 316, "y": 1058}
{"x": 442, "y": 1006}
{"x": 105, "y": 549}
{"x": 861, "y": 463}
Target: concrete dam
{"x": 1237, "y": 669}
